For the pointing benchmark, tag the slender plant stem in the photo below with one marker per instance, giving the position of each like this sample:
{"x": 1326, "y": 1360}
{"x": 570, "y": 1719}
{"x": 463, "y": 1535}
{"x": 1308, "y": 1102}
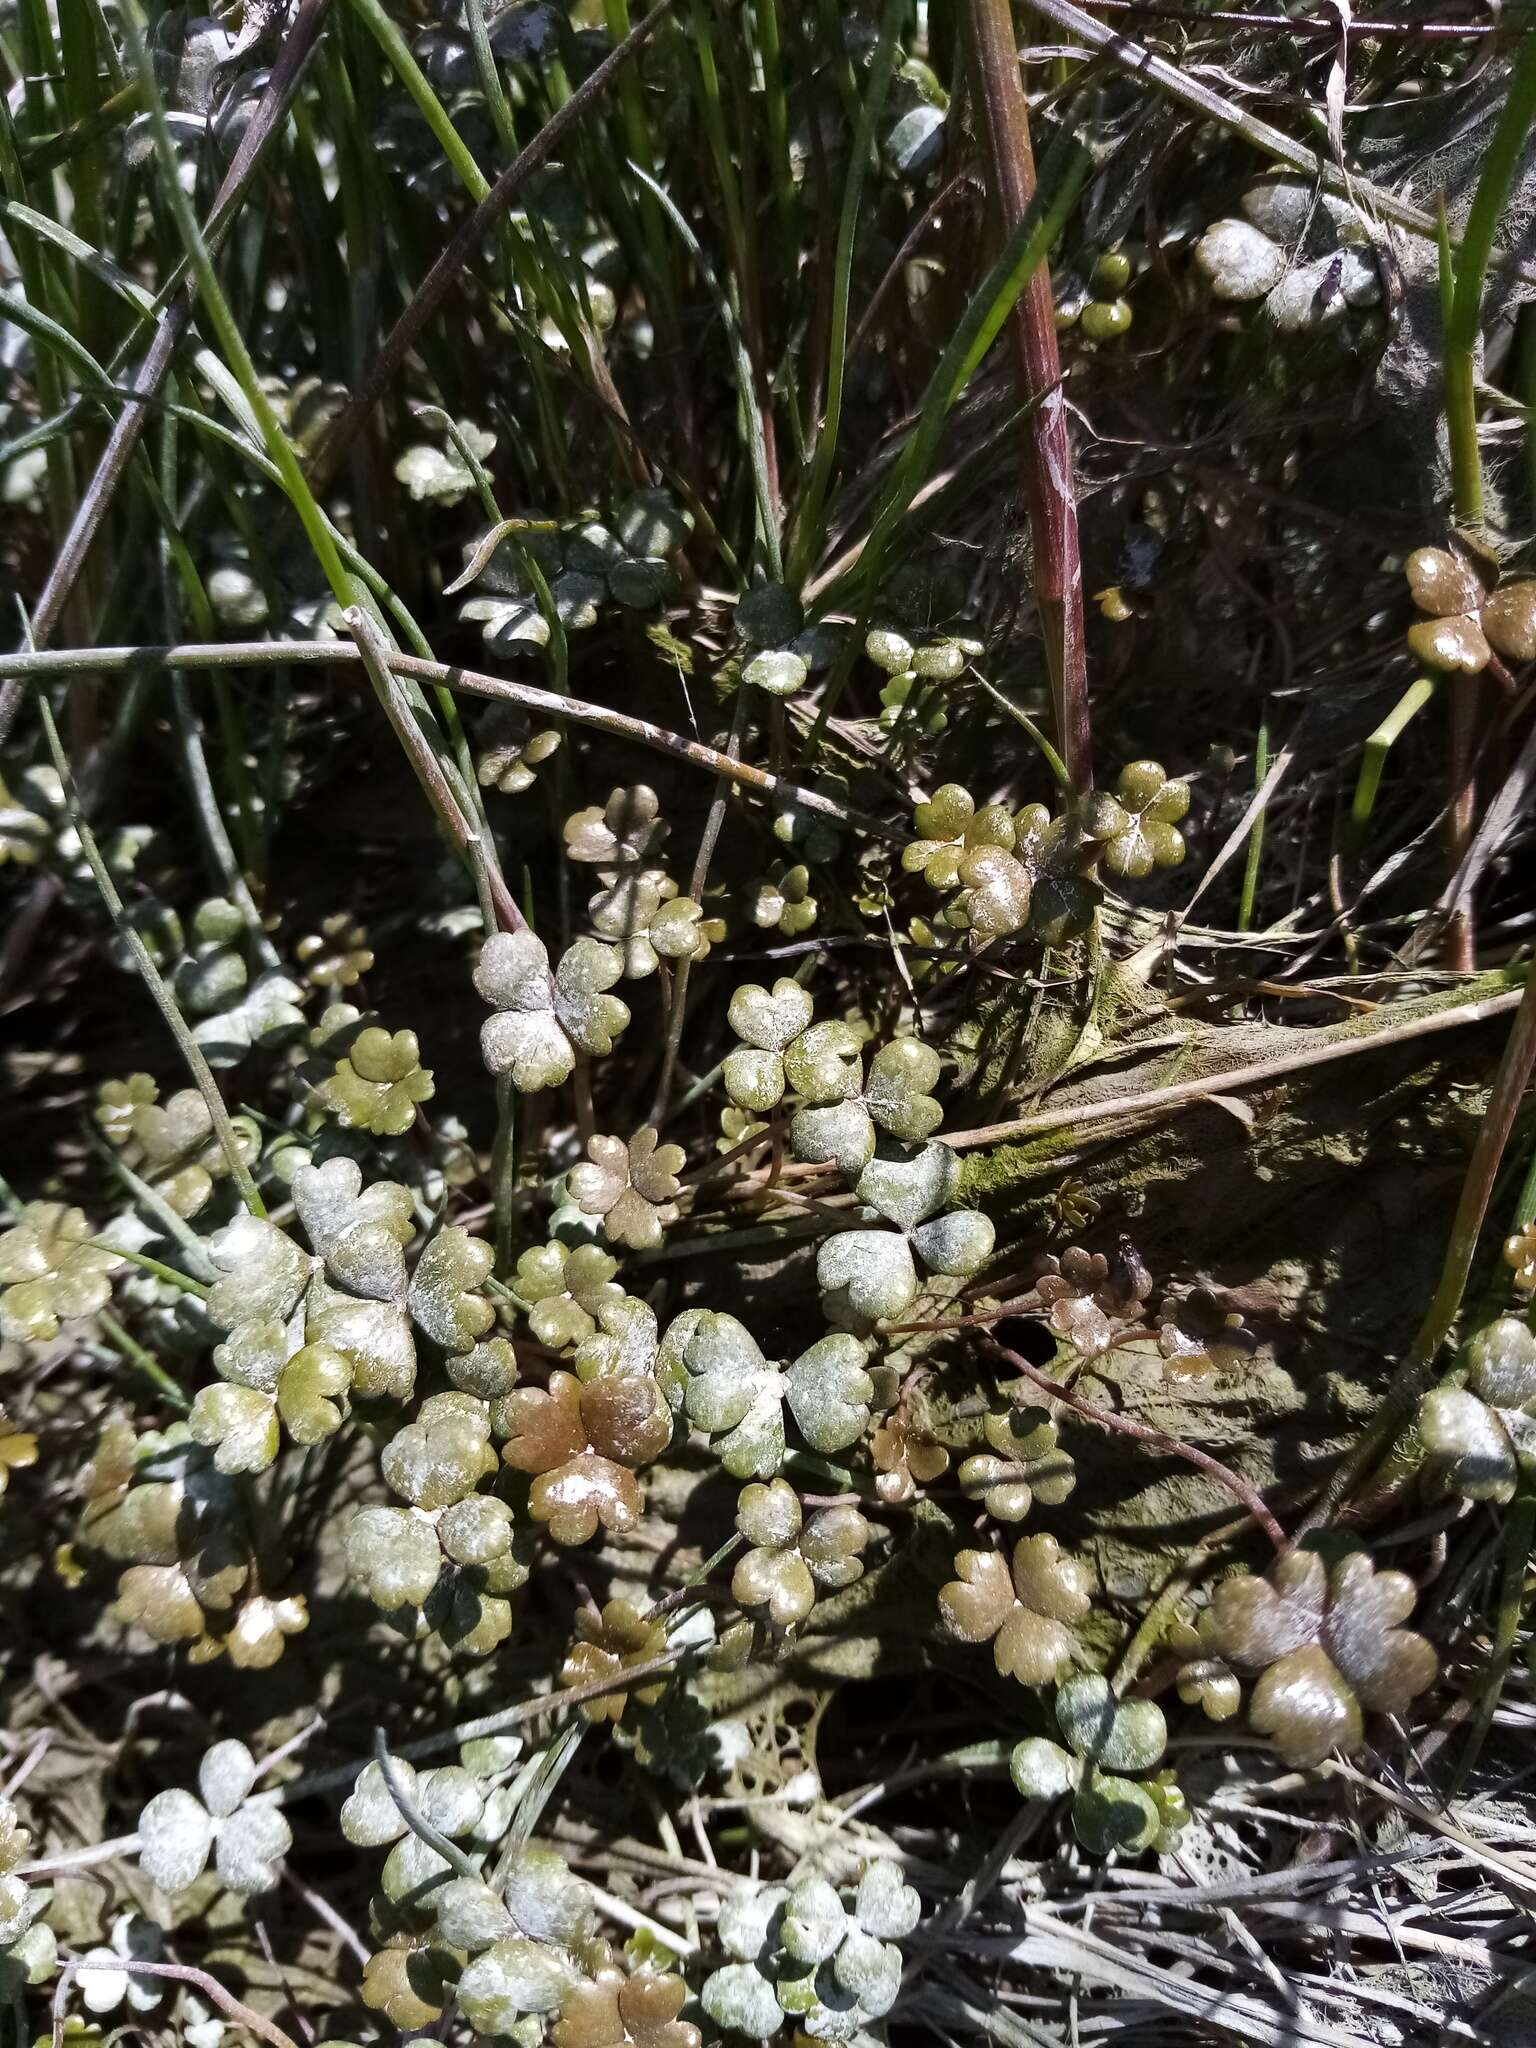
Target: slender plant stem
{"x": 143, "y": 1361}
{"x": 1519, "y": 1530}
{"x": 1256, "y": 839}
{"x": 154, "y": 981}
{"x": 378, "y": 660}
{"x": 1047, "y": 448}
{"x": 412, "y": 1815}
{"x": 181, "y": 1973}
{"x": 1126, "y": 1425}
{"x": 1412, "y": 1375}
{"x": 677, "y": 1008}
{"x": 322, "y": 653}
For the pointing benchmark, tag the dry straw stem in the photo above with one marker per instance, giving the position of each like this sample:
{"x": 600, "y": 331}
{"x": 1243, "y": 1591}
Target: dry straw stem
{"x": 1271, "y": 142}
{"x": 1364, "y": 1036}
{"x": 194, "y": 655}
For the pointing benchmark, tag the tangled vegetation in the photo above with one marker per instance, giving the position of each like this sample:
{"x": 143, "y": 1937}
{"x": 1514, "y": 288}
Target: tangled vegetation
{"x": 769, "y": 1219}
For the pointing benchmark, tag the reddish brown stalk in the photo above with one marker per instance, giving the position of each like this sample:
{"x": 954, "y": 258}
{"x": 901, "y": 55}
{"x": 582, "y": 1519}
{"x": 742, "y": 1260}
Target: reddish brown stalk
{"x": 1047, "y": 448}
{"x": 1125, "y": 1425}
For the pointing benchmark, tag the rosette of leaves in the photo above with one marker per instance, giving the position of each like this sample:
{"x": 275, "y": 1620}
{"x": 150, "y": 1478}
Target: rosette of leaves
{"x": 563, "y": 1287}
{"x": 792, "y": 1560}
{"x": 50, "y": 1272}
{"x": 611, "y": 2010}
{"x": 804, "y": 1953}
{"x": 783, "y": 901}
{"x": 449, "y": 1799}
{"x": 158, "y": 1507}
{"x": 511, "y": 749}
{"x": 1137, "y": 831}
{"x": 1009, "y": 871}
{"x": 1329, "y": 1645}
{"x": 377, "y": 1084}
{"x": 1468, "y": 622}
{"x": 1024, "y": 1464}
{"x": 1304, "y": 258}
{"x": 609, "y": 1643}
{"x": 336, "y": 956}
{"x": 1484, "y": 1431}
{"x": 639, "y": 911}
{"x": 581, "y": 1443}
{"x": 532, "y": 1970}
{"x": 1200, "y": 1335}
{"x": 170, "y": 1145}
{"x": 843, "y": 1108}
{"x": 917, "y": 666}
{"x": 629, "y": 561}
{"x": 769, "y": 619}
{"x": 904, "y": 1460}
{"x": 713, "y": 1370}
{"x": 949, "y": 826}
{"x": 631, "y": 1187}
{"x": 105, "y": 1985}
{"x": 246, "y": 1836}
{"x": 623, "y": 833}
{"x": 1109, "y": 1742}
{"x": 447, "y": 1562}
{"x": 1028, "y": 1606}
{"x": 871, "y": 1275}
{"x": 766, "y": 1024}
{"x": 506, "y": 566}
{"x": 1089, "y": 1303}
{"x": 543, "y": 1021}
{"x": 441, "y": 475}
{"x": 212, "y": 984}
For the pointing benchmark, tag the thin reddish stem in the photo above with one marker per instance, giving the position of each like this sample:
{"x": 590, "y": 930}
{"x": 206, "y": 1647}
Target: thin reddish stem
{"x": 1125, "y": 1425}
{"x": 1047, "y": 448}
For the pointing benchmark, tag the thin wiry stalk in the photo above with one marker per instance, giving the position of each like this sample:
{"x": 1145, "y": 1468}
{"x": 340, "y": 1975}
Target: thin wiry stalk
{"x": 1047, "y": 447}
{"x": 154, "y": 981}
{"x": 330, "y": 653}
